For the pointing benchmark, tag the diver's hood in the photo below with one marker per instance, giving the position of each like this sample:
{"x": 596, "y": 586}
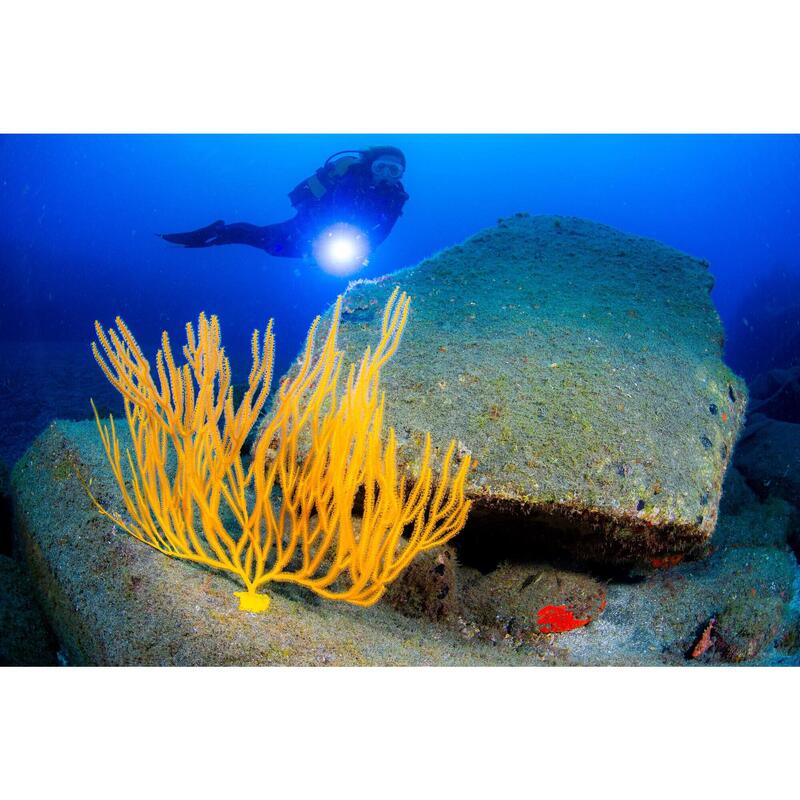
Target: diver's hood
{"x": 371, "y": 153}
{"x": 374, "y": 153}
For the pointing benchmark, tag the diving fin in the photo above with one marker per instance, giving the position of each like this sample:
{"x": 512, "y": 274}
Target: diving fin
{"x": 202, "y": 237}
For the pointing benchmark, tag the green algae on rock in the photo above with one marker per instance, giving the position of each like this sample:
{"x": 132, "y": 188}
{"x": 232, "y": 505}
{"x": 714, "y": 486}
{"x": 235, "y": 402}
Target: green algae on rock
{"x": 427, "y": 588}
{"x": 512, "y": 601}
{"x": 25, "y": 640}
{"x": 769, "y": 457}
{"x": 582, "y": 369}
{"x": 5, "y": 510}
{"x": 111, "y": 601}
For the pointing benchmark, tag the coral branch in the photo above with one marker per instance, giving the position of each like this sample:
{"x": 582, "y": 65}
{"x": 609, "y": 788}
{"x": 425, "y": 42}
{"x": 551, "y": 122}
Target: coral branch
{"x": 287, "y": 516}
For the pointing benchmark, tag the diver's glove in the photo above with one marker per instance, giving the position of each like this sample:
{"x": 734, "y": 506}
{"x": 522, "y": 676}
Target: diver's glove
{"x": 202, "y": 237}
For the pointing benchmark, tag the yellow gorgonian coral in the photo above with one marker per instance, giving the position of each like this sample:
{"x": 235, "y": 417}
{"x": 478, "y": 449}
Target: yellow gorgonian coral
{"x": 288, "y": 514}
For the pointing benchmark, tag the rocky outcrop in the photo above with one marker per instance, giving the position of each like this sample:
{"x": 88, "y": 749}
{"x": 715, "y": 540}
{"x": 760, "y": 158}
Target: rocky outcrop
{"x": 581, "y": 367}
{"x": 777, "y": 394}
{"x": 25, "y": 640}
{"x": 5, "y": 510}
{"x": 769, "y": 458}
{"x": 113, "y": 600}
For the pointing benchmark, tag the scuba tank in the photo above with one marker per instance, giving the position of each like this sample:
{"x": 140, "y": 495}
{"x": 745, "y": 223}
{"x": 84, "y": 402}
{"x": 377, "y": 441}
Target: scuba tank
{"x": 318, "y": 184}
{"x": 313, "y": 188}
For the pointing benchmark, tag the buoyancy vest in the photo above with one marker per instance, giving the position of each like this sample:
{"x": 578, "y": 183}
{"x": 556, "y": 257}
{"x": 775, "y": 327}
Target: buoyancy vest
{"x": 312, "y": 189}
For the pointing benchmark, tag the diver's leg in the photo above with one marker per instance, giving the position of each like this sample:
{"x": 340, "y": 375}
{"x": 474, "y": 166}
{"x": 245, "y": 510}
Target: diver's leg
{"x": 285, "y": 239}
{"x": 218, "y": 233}
{"x": 241, "y": 233}
{"x": 202, "y": 237}
{"x": 281, "y": 239}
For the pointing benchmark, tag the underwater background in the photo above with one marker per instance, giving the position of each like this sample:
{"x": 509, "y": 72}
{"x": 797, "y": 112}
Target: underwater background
{"x": 79, "y": 214}
{"x": 564, "y": 339}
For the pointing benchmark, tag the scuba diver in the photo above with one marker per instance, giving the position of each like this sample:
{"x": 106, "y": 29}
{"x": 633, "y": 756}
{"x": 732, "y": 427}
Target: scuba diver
{"x": 344, "y": 211}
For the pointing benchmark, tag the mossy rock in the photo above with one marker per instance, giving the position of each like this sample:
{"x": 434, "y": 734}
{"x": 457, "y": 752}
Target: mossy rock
{"x": 113, "y": 600}
{"x": 427, "y": 588}
{"x": 518, "y": 601}
{"x": 746, "y": 626}
{"x": 6, "y": 543}
{"x": 25, "y": 640}
{"x": 5, "y": 482}
{"x": 582, "y": 369}
{"x": 769, "y": 458}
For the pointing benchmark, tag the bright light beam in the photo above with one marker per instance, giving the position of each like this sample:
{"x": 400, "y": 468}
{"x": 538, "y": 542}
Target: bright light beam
{"x": 341, "y": 249}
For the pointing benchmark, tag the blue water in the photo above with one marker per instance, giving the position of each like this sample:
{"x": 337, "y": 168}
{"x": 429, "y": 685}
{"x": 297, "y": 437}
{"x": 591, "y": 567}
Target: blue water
{"x": 79, "y": 213}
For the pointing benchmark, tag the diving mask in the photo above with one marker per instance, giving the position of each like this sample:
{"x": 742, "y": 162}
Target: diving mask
{"x": 387, "y": 169}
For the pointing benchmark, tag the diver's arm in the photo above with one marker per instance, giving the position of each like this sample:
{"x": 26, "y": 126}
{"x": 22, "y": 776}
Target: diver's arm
{"x": 392, "y": 211}
{"x": 381, "y": 229}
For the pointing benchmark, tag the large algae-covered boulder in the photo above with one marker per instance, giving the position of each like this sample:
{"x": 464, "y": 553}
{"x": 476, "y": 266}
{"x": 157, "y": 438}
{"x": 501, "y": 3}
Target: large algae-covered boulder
{"x": 769, "y": 458}
{"x": 24, "y": 638}
{"x": 112, "y": 600}
{"x": 5, "y": 510}
{"x": 580, "y": 366}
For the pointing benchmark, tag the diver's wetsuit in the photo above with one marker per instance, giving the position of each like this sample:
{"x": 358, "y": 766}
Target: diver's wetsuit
{"x": 341, "y": 191}
{"x": 281, "y": 239}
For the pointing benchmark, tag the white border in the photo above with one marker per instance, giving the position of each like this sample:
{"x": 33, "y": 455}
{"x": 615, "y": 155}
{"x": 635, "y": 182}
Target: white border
{"x": 360, "y": 65}
{"x": 378, "y": 67}
{"x": 377, "y": 733}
